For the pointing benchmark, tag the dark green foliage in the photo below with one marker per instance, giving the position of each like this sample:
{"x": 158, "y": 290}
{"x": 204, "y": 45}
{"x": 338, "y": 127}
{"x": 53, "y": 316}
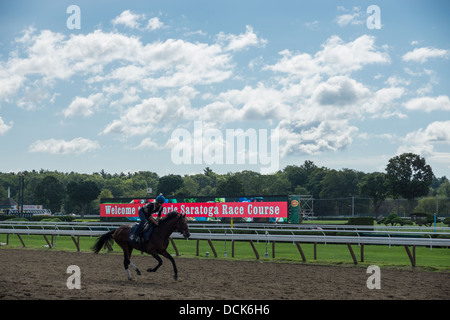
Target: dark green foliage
{"x": 360, "y": 221}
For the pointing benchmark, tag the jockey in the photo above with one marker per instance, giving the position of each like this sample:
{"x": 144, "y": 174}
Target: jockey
{"x": 145, "y": 214}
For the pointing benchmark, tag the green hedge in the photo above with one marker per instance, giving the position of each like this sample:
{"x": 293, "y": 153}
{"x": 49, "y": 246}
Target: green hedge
{"x": 4, "y": 217}
{"x": 45, "y": 218}
{"x": 360, "y": 221}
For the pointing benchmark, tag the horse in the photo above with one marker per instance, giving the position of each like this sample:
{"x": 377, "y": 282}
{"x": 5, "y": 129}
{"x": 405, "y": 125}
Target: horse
{"x": 155, "y": 246}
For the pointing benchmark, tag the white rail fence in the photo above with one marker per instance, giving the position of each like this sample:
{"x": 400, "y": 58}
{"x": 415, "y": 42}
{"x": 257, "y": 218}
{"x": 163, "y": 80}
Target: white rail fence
{"x": 252, "y": 232}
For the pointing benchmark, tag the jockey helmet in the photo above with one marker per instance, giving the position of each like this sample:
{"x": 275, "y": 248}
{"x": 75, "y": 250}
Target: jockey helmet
{"x": 160, "y": 199}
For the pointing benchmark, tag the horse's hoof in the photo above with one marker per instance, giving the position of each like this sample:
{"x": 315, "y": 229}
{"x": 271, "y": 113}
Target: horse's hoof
{"x": 150, "y": 270}
{"x": 175, "y": 276}
{"x": 138, "y": 272}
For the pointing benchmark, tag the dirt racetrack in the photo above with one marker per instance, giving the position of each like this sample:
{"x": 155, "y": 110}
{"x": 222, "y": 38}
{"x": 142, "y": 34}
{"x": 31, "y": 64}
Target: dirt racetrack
{"x": 38, "y": 274}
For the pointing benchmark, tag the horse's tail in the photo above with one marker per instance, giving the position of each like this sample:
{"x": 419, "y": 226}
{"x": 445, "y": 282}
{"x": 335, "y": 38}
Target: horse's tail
{"x": 99, "y": 243}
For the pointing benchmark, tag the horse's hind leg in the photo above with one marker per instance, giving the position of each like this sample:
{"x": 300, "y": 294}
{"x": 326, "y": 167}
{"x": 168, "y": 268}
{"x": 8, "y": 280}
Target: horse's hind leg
{"x": 126, "y": 263}
{"x": 175, "y": 270}
{"x": 155, "y": 255}
{"x": 127, "y": 250}
{"x": 130, "y": 250}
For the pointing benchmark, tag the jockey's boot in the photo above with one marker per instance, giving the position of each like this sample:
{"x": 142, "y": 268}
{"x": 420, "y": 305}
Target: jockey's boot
{"x": 136, "y": 234}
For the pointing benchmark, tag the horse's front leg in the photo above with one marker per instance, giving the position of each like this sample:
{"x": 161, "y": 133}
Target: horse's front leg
{"x": 175, "y": 270}
{"x": 156, "y": 256}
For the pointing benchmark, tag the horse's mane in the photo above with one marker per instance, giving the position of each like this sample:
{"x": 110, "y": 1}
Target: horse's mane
{"x": 169, "y": 216}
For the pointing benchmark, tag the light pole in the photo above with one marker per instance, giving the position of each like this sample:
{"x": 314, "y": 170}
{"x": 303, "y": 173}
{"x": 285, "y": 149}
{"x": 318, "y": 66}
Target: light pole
{"x": 21, "y": 189}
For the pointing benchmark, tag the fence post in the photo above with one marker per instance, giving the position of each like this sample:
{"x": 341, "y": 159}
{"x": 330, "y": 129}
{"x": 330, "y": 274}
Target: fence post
{"x": 20, "y": 238}
{"x": 212, "y": 248}
{"x": 412, "y": 257}
{"x": 254, "y": 249}
{"x": 77, "y": 242}
{"x": 301, "y": 251}
{"x": 352, "y": 253}
{"x": 48, "y": 242}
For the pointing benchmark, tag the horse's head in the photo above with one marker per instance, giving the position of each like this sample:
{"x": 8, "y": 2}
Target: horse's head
{"x": 182, "y": 226}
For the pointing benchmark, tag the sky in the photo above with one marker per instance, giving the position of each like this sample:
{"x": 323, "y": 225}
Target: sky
{"x": 174, "y": 87}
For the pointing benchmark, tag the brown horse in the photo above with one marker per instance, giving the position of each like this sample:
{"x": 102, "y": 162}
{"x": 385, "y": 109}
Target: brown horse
{"x": 156, "y": 245}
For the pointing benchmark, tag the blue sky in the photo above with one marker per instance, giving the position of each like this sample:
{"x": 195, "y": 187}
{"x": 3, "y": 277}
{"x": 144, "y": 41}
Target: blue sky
{"x": 115, "y": 93}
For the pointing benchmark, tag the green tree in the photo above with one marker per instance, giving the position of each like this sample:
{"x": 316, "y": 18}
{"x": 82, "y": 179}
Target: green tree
{"x": 277, "y": 184}
{"x": 116, "y": 186}
{"x": 315, "y": 180}
{"x": 231, "y": 186}
{"x": 50, "y": 193}
{"x": 298, "y": 176}
{"x": 3, "y": 193}
{"x": 169, "y": 184}
{"x": 82, "y": 193}
{"x": 430, "y": 204}
{"x": 189, "y": 188}
{"x": 374, "y": 185}
{"x": 251, "y": 182}
{"x": 409, "y": 176}
{"x": 106, "y": 193}
{"x": 444, "y": 189}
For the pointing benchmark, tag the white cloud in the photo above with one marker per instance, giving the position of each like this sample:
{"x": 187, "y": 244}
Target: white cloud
{"x": 4, "y": 127}
{"x": 339, "y": 91}
{"x": 146, "y": 143}
{"x": 312, "y": 25}
{"x": 382, "y": 103}
{"x": 128, "y": 19}
{"x": 355, "y": 17}
{"x": 248, "y": 104}
{"x": 153, "y": 115}
{"x": 154, "y": 24}
{"x": 421, "y": 55}
{"x": 9, "y": 83}
{"x": 340, "y": 57}
{"x": 424, "y": 141}
{"x": 241, "y": 41}
{"x": 51, "y": 56}
{"x": 313, "y": 115}
{"x": 336, "y": 57}
{"x": 133, "y": 21}
{"x": 395, "y": 80}
{"x": 104, "y": 57}
{"x": 315, "y": 138}
{"x": 83, "y": 107}
{"x": 54, "y": 146}
{"x": 429, "y": 104}
{"x": 346, "y": 19}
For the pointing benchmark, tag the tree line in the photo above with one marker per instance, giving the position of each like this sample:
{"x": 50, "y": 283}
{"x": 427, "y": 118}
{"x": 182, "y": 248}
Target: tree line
{"x": 407, "y": 177}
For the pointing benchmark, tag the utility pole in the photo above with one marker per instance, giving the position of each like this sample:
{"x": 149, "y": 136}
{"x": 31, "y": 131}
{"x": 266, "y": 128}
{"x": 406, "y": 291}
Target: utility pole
{"x": 353, "y": 206}
{"x": 21, "y": 189}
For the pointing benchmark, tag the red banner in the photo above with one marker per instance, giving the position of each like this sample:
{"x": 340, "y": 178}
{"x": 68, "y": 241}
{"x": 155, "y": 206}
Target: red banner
{"x": 275, "y": 209}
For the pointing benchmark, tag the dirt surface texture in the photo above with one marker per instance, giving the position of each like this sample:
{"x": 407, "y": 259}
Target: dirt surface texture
{"x": 37, "y": 274}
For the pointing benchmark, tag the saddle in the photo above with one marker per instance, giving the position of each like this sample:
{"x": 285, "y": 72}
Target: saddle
{"x": 144, "y": 236}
